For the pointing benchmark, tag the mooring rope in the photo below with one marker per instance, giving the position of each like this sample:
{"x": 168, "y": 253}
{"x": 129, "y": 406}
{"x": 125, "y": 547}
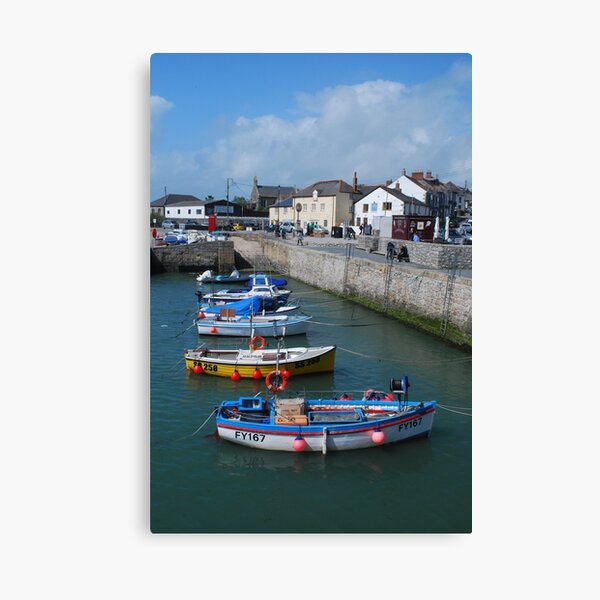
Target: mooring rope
{"x": 340, "y": 324}
{"x": 401, "y": 360}
{"x": 199, "y": 428}
{"x": 454, "y": 411}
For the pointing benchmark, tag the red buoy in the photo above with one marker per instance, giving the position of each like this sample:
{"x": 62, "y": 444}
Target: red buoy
{"x": 299, "y": 444}
{"x": 213, "y": 329}
{"x": 256, "y": 374}
{"x": 201, "y": 315}
{"x": 378, "y": 436}
{"x": 235, "y": 376}
{"x": 197, "y": 369}
{"x": 286, "y": 374}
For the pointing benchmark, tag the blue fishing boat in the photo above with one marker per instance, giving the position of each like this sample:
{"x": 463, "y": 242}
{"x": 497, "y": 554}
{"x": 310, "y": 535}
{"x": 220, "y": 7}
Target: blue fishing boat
{"x": 262, "y": 279}
{"x": 256, "y": 305}
{"x": 320, "y": 425}
{"x": 208, "y": 277}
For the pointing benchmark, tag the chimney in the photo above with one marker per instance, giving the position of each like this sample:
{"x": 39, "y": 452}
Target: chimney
{"x": 418, "y": 175}
{"x": 388, "y": 182}
{"x": 397, "y": 185}
{"x": 403, "y": 171}
{"x": 355, "y": 182}
{"x": 428, "y": 175}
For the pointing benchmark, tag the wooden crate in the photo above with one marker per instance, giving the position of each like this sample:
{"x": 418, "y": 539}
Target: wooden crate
{"x": 291, "y": 420}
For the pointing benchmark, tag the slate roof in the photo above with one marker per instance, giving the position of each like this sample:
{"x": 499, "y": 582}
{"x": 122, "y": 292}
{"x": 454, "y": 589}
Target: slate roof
{"x": 170, "y": 199}
{"x": 273, "y": 191}
{"x": 397, "y": 194}
{"x": 282, "y": 203}
{"x": 330, "y": 187}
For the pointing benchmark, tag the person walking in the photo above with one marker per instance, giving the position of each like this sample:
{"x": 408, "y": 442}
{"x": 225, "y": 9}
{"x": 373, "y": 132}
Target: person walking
{"x": 300, "y": 236}
{"x": 360, "y": 229}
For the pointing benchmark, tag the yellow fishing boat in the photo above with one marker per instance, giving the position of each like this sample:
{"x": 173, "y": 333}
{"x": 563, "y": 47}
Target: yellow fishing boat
{"x": 298, "y": 361}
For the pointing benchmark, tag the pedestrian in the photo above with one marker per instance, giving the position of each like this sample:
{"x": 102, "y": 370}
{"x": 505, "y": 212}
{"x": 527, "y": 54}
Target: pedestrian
{"x": 360, "y": 229}
{"x": 154, "y": 232}
{"x": 300, "y": 241}
{"x": 403, "y": 254}
{"x": 391, "y": 248}
{"x": 415, "y": 237}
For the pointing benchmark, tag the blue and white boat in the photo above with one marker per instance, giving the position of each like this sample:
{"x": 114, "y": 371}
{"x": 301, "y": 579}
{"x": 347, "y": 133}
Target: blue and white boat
{"x": 244, "y": 321}
{"x": 244, "y": 293}
{"x": 262, "y": 279}
{"x": 322, "y": 425}
{"x": 256, "y": 305}
{"x": 208, "y": 277}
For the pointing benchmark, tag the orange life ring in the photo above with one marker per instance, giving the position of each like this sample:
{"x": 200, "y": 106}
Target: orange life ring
{"x": 271, "y": 381}
{"x": 257, "y": 338}
{"x": 345, "y": 397}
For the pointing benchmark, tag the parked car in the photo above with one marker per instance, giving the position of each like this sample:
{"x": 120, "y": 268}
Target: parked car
{"x": 287, "y": 227}
{"x": 320, "y": 229}
{"x": 168, "y": 224}
{"x": 194, "y": 226}
{"x": 239, "y": 227}
{"x": 455, "y": 237}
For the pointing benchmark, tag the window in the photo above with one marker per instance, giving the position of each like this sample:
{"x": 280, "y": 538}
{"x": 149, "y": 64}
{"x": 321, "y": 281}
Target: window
{"x": 189, "y": 211}
{"x": 313, "y": 207}
{"x": 198, "y": 211}
{"x": 285, "y": 210}
{"x": 178, "y": 212}
{"x": 387, "y": 206}
{"x": 325, "y": 223}
{"x": 304, "y": 207}
{"x": 365, "y": 208}
{"x": 322, "y": 206}
{"x": 374, "y": 207}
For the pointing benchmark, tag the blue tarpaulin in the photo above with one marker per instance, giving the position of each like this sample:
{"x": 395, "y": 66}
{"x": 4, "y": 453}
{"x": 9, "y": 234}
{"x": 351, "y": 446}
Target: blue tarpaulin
{"x": 242, "y": 307}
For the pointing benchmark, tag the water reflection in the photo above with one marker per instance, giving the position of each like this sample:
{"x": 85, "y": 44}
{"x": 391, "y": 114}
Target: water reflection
{"x": 406, "y": 457}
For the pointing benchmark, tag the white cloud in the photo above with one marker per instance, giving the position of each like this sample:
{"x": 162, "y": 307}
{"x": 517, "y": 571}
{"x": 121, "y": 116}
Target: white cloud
{"x": 375, "y": 128}
{"x": 158, "y": 107}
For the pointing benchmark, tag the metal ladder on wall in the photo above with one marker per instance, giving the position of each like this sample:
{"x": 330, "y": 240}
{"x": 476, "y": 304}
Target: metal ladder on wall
{"x": 448, "y": 298}
{"x": 349, "y": 255}
{"x": 387, "y": 283}
{"x": 261, "y": 262}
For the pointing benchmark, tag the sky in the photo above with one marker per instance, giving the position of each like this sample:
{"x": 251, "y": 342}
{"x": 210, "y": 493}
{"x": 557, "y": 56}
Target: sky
{"x": 294, "y": 119}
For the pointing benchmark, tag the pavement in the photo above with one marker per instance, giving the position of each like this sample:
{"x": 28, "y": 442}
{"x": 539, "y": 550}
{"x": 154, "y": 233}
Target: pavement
{"x": 340, "y": 246}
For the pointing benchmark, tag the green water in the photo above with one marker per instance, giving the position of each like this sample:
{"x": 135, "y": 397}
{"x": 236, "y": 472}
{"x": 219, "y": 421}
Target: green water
{"x": 200, "y": 484}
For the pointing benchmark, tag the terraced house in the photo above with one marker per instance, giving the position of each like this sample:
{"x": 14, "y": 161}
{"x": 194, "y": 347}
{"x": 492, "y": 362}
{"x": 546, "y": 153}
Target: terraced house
{"x": 328, "y": 203}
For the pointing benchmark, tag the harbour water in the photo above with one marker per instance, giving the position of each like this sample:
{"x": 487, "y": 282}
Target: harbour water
{"x": 200, "y": 484}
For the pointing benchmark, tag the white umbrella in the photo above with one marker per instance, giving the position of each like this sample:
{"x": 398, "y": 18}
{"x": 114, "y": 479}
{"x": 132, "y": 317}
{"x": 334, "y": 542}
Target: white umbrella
{"x": 436, "y": 228}
{"x": 447, "y": 234}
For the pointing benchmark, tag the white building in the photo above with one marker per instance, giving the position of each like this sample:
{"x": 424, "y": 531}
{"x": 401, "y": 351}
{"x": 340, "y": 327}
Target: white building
{"x": 378, "y": 208}
{"x": 187, "y": 209}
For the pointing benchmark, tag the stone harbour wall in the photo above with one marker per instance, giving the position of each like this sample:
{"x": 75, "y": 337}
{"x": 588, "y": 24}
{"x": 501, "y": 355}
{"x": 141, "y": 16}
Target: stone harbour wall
{"x": 398, "y": 286}
{"x": 199, "y": 256}
{"x": 436, "y": 256}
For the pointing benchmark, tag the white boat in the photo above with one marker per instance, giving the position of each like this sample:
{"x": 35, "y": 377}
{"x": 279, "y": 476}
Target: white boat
{"x": 248, "y": 326}
{"x": 243, "y": 293}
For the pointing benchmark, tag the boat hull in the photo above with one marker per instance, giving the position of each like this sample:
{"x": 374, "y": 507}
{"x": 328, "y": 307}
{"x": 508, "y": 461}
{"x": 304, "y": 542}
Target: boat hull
{"x": 327, "y": 438}
{"x": 320, "y": 363}
{"x": 264, "y": 329}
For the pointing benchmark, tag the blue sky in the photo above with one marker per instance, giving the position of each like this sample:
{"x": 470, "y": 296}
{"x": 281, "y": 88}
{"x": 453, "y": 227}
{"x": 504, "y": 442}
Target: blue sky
{"x": 292, "y": 119}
